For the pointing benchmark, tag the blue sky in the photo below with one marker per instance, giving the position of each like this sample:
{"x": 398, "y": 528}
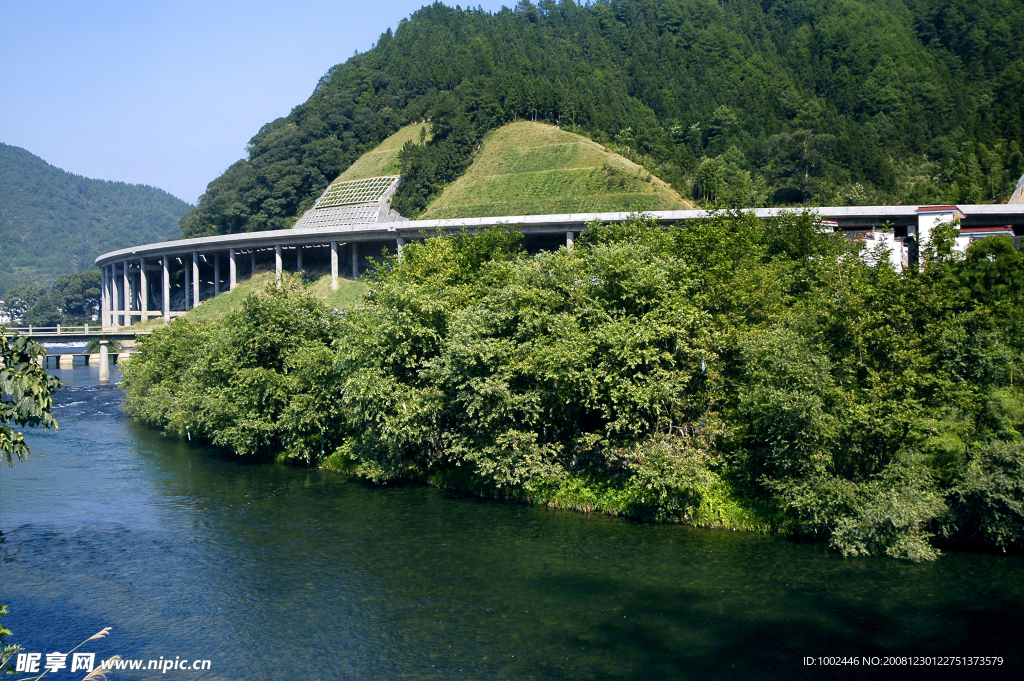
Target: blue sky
{"x": 168, "y": 93}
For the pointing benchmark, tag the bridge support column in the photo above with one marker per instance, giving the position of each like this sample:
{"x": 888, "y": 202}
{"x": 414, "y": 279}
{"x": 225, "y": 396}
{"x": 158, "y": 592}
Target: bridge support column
{"x": 216, "y": 273}
{"x": 355, "y": 260}
{"x": 334, "y": 265}
{"x": 104, "y": 362}
{"x": 232, "y": 269}
{"x": 401, "y": 242}
{"x": 66, "y": 361}
{"x": 165, "y": 297}
{"x": 195, "y": 279}
{"x": 252, "y": 257}
{"x": 298, "y": 258}
{"x": 114, "y": 296}
{"x": 277, "y": 261}
{"x": 143, "y": 290}
{"x": 127, "y": 295}
{"x": 569, "y": 238}
{"x": 188, "y": 286}
{"x": 104, "y": 298}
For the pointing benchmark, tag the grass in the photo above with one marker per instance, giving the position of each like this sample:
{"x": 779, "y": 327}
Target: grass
{"x": 530, "y": 168}
{"x": 319, "y": 283}
{"x": 383, "y": 160}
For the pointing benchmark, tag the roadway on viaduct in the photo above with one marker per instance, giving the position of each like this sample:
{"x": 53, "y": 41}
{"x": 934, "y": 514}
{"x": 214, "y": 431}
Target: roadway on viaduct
{"x": 170, "y": 277}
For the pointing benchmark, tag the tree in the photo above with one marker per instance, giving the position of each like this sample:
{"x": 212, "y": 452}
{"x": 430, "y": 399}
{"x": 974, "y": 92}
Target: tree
{"x": 26, "y": 399}
{"x": 26, "y": 394}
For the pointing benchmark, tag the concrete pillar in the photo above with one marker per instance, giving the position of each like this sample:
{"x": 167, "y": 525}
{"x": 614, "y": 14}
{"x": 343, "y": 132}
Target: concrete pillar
{"x": 127, "y": 295}
{"x": 298, "y": 258}
{"x": 188, "y": 287}
{"x": 232, "y": 270}
{"x": 252, "y": 256}
{"x": 277, "y": 261}
{"x": 401, "y": 242}
{"x": 115, "y": 297}
{"x": 334, "y": 265}
{"x": 355, "y": 260}
{"x": 104, "y": 362}
{"x": 195, "y": 279}
{"x": 66, "y": 361}
{"x": 143, "y": 290}
{"x": 216, "y": 273}
{"x": 569, "y": 238}
{"x": 104, "y": 298}
{"x": 165, "y": 298}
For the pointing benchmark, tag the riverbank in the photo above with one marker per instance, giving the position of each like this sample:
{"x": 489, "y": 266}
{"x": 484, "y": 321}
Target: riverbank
{"x": 734, "y": 373}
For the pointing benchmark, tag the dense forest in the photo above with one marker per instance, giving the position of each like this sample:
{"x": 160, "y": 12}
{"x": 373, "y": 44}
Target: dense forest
{"x": 53, "y": 222}
{"x": 732, "y": 372}
{"x": 737, "y": 103}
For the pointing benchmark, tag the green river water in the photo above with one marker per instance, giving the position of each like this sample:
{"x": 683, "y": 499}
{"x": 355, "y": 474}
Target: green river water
{"x": 279, "y": 573}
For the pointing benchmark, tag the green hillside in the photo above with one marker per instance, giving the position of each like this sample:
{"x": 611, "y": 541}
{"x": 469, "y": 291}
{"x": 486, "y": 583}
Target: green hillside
{"x": 53, "y": 222}
{"x": 531, "y": 169}
{"x": 384, "y": 159}
{"x": 780, "y": 102}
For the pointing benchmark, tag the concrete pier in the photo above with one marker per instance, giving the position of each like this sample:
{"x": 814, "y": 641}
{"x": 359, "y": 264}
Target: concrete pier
{"x": 165, "y": 301}
{"x": 127, "y": 319}
{"x": 195, "y": 279}
{"x": 143, "y": 291}
{"x": 334, "y": 265}
{"x": 216, "y": 273}
{"x": 278, "y": 264}
{"x": 104, "y": 362}
{"x": 232, "y": 270}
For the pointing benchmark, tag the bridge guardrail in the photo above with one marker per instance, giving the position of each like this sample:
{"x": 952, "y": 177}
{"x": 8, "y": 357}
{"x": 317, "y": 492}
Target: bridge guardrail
{"x": 59, "y": 330}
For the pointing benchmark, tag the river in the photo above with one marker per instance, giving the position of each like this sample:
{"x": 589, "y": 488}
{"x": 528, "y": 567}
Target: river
{"x": 278, "y": 573}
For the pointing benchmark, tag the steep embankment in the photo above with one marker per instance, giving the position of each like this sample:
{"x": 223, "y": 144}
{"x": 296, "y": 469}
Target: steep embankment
{"x": 529, "y": 168}
{"x": 53, "y": 222}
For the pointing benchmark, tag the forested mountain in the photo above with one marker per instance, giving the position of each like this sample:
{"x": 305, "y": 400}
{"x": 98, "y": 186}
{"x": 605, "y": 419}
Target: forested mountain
{"x": 53, "y": 222}
{"x": 741, "y": 102}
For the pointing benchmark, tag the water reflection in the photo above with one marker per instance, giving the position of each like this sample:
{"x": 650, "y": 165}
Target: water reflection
{"x": 279, "y": 573}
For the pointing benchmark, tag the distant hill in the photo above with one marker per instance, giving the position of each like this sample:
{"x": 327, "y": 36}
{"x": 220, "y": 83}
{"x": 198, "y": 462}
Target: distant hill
{"x": 534, "y": 169}
{"x": 53, "y": 222}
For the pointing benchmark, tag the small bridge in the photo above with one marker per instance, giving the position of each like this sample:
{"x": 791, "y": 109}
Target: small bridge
{"x": 82, "y": 334}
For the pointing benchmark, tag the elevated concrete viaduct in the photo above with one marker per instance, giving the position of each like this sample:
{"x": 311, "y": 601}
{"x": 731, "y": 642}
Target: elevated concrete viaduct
{"x": 169, "y": 278}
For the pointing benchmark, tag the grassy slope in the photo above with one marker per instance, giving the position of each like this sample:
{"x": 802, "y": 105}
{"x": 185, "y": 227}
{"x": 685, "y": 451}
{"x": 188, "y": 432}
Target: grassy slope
{"x": 349, "y": 293}
{"x": 530, "y": 168}
{"x": 383, "y": 160}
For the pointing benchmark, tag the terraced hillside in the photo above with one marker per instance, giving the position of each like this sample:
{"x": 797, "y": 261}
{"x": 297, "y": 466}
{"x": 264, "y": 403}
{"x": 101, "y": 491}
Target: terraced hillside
{"x": 530, "y": 168}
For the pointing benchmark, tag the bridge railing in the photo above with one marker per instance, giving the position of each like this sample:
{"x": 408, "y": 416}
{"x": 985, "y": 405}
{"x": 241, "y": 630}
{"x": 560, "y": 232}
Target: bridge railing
{"x": 59, "y": 330}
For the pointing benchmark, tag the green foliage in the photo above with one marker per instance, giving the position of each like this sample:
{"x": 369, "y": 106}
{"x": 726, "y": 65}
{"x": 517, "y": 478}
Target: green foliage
{"x": 852, "y": 102}
{"x": 735, "y": 372}
{"x": 53, "y": 222}
{"x": 26, "y": 394}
